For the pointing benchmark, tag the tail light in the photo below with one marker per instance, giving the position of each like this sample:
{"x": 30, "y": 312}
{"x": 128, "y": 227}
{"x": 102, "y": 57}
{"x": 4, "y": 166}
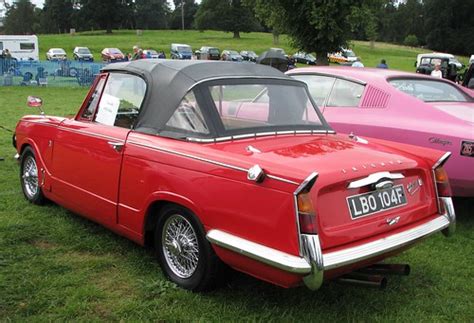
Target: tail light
{"x": 304, "y": 206}
{"x": 443, "y": 189}
{"x": 442, "y": 182}
{"x": 306, "y": 214}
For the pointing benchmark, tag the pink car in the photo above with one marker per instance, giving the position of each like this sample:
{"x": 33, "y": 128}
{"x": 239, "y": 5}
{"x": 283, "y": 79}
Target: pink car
{"x": 399, "y": 106}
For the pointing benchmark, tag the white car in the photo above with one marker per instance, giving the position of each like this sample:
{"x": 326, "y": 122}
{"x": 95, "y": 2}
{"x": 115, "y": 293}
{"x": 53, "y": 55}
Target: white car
{"x": 58, "y": 54}
{"x": 471, "y": 60}
{"x": 420, "y": 58}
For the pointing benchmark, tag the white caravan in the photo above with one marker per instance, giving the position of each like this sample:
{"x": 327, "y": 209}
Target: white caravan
{"x": 23, "y": 48}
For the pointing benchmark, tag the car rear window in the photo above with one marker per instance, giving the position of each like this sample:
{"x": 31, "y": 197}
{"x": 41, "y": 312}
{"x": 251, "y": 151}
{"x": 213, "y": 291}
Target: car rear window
{"x": 429, "y": 90}
{"x": 263, "y": 106}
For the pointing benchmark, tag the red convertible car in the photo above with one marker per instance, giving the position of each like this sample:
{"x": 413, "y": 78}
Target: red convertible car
{"x": 175, "y": 155}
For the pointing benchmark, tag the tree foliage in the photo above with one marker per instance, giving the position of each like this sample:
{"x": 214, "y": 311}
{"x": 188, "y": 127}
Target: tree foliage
{"x": 21, "y": 18}
{"x": 319, "y": 26}
{"x": 56, "y": 16}
{"x": 190, "y": 9}
{"x": 270, "y": 14}
{"x": 227, "y": 15}
{"x": 151, "y": 14}
{"x": 449, "y": 25}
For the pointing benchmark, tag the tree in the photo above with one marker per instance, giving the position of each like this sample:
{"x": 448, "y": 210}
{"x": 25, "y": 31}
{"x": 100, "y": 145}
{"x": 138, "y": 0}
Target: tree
{"x": 102, "y": 13}
{"x": 450, "y": 25}
{"x": 20, "y": 18}
{"x": 190, "y": 8}
{"x": 56, "y": 16}
{"x": 151, "y": 14}
{"x": 227, "y": 15}
{"x": 364, "y": 19}
{"x": 270, "y": 14}
{"x": 319, "y": 26}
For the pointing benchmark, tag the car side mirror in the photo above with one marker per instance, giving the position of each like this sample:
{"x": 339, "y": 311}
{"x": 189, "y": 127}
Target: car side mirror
{"x": 35, "y": 102}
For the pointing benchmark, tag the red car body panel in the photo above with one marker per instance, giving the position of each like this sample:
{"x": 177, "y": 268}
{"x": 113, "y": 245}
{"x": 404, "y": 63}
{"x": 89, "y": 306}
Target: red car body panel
{"x": 80, "y": 170}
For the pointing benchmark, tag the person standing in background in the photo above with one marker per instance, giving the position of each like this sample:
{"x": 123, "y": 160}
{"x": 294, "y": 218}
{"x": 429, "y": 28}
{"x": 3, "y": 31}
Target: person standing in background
{"x": 437, "y": 71}
{"x": 357, "y": 63}
{"x": 382, "y": 64}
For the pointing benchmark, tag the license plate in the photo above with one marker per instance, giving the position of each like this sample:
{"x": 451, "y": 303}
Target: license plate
{"x": 376, "y": 201}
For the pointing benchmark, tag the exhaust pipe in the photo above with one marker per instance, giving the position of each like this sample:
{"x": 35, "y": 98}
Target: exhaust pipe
{"x": 355, "y": 278}
{"x": 386, "y": 269}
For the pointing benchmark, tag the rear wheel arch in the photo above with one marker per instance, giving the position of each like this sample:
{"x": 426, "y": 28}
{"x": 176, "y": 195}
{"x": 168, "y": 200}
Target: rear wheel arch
{"x": 154, "y": 208}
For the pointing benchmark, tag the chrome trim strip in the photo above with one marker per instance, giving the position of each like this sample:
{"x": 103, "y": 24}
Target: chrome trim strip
{"x": 90, "y": 134}
{"x": 266, "y": 255}
{"x": 210, "y": 161}
{"x": 374, "y": 178}
{"x": 281, "y": 179}
{"x": 368, "y": 250}
{"x": 442, "y": 160}
{"x": 259, "y": 134}
{"x": 174, "y": 152}
{"x": 314, "y": 262}
{"x": 450, "y": 214}
{"x": 307, "y": 183}
{"x": 310, "y": 246}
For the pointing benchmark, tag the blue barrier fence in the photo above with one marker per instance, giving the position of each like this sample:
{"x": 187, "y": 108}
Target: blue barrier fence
{"x": 48, "y": 73}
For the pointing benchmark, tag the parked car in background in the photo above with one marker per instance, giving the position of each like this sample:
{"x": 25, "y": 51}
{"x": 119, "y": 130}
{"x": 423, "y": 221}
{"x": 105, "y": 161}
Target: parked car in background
{"x": 248, "y": 55}
{"x": 468, "y": 79}
{"x": 208, "y": 53}
{"x": 304, "y": 58}
{"x": 150, "y": 53}
{"x": 344, "y": 56}
{"x": 112, "y": 55}
{"x": 56, "y": 54}
{"x": 423, "y": 59}
{"x": 403, "y": 107}
{"x": 181, "y": 51}
{"x": 286, "y": 199}
{"x": 21, "y": 47}
{"x": 449, "y": 69}
{"x": 82, "y": 54}
{"x": 231, "y": 55}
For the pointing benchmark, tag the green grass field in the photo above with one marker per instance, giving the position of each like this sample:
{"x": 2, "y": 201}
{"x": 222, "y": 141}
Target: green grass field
{"x": 55, "y": 265}
{"x": 398, "y": 57}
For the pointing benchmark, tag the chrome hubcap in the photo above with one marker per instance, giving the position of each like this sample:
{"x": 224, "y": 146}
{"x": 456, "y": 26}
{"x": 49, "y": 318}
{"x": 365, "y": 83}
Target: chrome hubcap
{"x": 30, "y": 177}
{"x": 180, "y": 246}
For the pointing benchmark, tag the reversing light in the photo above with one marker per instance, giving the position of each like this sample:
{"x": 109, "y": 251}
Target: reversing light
{"x": 442, "y": 182}
{"x": 306, "y": 214}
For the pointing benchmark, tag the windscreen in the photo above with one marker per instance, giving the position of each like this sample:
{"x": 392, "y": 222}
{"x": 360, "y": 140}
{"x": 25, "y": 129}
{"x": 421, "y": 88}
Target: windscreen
{"x": 185, "y": 49}
{"x": 430, "y": 90}
{"x": 264, "y": 107}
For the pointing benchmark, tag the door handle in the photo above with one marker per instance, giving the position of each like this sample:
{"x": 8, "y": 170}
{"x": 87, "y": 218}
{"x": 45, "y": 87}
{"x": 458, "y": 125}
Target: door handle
{"x": 117, "y": 146}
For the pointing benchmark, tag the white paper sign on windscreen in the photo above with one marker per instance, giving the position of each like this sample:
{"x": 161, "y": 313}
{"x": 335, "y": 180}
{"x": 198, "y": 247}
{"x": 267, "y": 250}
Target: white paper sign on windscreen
{"x": 108, "y": 109}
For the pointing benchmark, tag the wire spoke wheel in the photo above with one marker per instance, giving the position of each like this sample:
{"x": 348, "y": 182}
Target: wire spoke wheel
{"x": 30, "y": 177}
{"x": 180, "y": 246}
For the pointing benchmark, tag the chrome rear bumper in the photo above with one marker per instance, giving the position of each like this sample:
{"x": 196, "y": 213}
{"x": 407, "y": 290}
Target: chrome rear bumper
{"x": 314, "y": 262}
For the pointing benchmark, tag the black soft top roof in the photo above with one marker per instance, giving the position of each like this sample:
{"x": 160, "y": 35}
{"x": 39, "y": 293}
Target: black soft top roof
{"x": 168, "y": 81}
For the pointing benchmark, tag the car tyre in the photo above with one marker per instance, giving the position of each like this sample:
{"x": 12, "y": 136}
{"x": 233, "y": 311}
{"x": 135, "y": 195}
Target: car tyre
{"x": 29, "y": 178}
{"x": 184, "y": 254}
